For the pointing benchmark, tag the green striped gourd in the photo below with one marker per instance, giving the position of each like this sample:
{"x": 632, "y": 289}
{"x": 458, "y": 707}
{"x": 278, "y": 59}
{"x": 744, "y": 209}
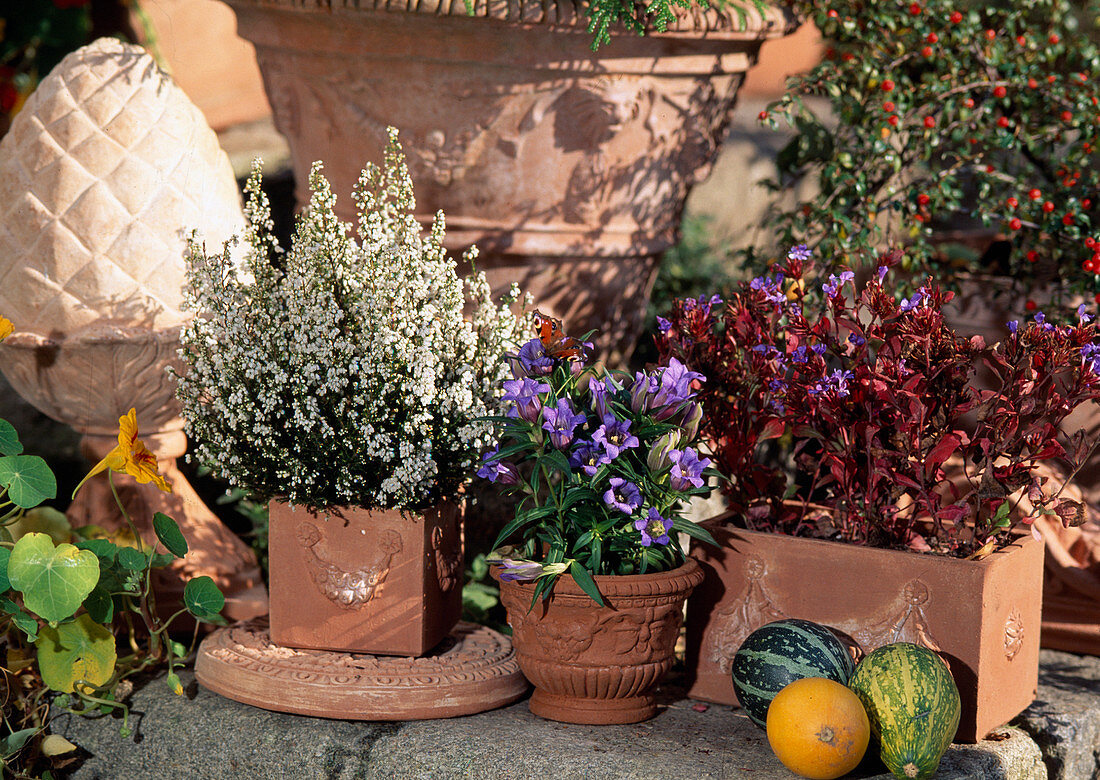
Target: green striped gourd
{"x": 913, "y": 706}
{"x": 775, "y": 655}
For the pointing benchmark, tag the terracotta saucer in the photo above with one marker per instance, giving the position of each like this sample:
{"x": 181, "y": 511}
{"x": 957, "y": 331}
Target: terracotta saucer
{"x": 473, "y": 670}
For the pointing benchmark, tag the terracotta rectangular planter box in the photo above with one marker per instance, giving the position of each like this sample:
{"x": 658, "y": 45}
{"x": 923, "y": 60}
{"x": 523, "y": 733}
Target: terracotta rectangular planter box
{"x": 366, "y": 582}
{"x": 982, "y": 617}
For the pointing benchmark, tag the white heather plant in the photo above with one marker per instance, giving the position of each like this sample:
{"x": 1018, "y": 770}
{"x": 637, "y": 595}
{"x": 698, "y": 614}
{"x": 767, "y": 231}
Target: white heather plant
{"x": 342, "y": 372}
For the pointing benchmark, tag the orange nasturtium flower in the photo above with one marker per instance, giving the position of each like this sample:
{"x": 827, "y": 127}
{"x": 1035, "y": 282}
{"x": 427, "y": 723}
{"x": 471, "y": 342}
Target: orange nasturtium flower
{"x": 6, "y": 328}
{"x": 130, "y": 456}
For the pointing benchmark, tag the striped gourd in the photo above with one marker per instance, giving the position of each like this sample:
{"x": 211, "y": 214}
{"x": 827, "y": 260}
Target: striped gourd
{"x": 775, "y": 655}
{"x": 913, "y": 705}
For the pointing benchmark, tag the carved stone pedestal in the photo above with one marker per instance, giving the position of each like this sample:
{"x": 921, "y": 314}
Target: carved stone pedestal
{"x": 473, "y": 670}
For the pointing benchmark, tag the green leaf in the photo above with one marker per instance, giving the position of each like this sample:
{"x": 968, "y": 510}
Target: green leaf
{"x": 131, "y": 559}
{"x": 54, "y": 581}
{"x": 5, "y": 584}
{"x": 519, "y": 521}
{"x": 160, "y": 560}
{"x": 43, "y": 520}
{"x": 28, "y": 479}
{"x": 100, "y": 605}
{"x": 556, "y": 461}
{"x": 104, "y": 549}
{"x": 80, "y": 650}
{"x": 586, "y": 583}
{"x": 693, "y": 530}
{"x": 14, "y": 742}
{"x": 9, "y": 439}
{"x": 169, "y": 534}
{"x": 26, "y": 623}
{"x": 202, "y": 597}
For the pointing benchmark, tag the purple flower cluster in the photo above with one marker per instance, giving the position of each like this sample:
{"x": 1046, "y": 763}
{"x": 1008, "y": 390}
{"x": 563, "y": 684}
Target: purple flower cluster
{"x": 654, "y": 528}
{"x": 833, "y": 286}
{"x": 915, "y": 301}
{"x": 770, "y": 286}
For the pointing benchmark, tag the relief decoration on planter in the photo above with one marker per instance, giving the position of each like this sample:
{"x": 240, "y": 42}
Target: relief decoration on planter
{"x": 1014, "y": 634}
{"x": 734, "y": 623}
{"x": 349, "y": 589}
{"x": 904, "y": 621}
{"x": 643, "y": 634}
{"x": 448, "y": 563}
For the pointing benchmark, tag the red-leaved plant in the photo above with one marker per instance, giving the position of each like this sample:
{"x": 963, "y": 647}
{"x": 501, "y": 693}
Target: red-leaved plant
{"x": 877, "y": 402}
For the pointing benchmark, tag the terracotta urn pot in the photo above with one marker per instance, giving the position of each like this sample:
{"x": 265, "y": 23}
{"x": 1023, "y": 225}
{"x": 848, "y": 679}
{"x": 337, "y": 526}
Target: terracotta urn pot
{"x": 353, "y": 580}
{"x": 568, "y": 168}
{"x": 981, "y": 617}
{"x": 593, "y": 664}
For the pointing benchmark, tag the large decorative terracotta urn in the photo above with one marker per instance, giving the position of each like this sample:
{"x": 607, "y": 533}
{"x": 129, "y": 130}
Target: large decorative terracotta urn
{"x": 102, "y": 174}
{"x": 569, "y": 169}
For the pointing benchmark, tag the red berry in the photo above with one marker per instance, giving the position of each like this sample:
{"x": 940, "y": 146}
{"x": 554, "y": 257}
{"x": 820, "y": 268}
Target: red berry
{"x": 969, "y": 102}
{"x": 1089, "y": 266}
{"x": 918, "y": 218}
{"x": 989, "y": 169}
{"x": 1002, "y": 122}
{"x": 1033, "y": 256}
{"x": 1096, "y": 297}
{"x": 1021, "y": 40}
{"x": 1082, "y": 77}
{"x": 1048, "y": 207}
{"x": 888, "y": 106}
{"x": 1012, "y": 203}
{"x": 832, "y": 14}
{"x": 914, "y": 9}
{"x": 762, "y": 115}
{"x": 929, "y": 122}
{"x": 1067, "y": 116}
{"x": 1051, "y": 78}
{"x": 1015, "y": 224}
{"x": 923, "y": 199}
{"x": 1034, "y": 194}
{"x": 926, "y": 51}
{"x": 999, "y": 91}
{"x": 847, "y": 56}
{"x": 1032, "y": 83}
{"x": 1090, "y": 242}
{"x": 956, "y": 17}
{"x": 1054, "y": 39}
{"x": 932, "y": 37}
{"x": 887, "y": 86}
{"x": 990, "y": 34}
{"x": 893, "y": 120}
{"x": 1086, "y": 203}
{"x": 1067, "y": 220}
{"x": 1031, "y": 305}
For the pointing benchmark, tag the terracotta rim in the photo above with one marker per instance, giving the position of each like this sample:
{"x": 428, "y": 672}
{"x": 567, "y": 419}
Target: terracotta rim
{"x": 775, "y": 22}
{"x": 642, "y": 586}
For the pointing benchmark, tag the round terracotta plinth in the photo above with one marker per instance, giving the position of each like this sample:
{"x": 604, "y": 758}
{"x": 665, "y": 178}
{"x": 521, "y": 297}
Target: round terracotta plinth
{"x": 595, "y": 712}
{"x": 473, "y": 670}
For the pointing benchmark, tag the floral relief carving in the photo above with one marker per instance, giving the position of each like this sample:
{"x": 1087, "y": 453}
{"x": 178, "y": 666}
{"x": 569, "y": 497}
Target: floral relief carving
{"x": 904, "y": 621}
{"x": 1014, "y": 634}
{"x": 448, "y": 562}
{"x": 734, "y": 622}
{"x": 348, "y": 588}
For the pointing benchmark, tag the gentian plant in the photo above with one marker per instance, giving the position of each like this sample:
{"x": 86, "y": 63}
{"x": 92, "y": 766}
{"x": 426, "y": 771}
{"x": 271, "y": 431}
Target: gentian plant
{"x": 603, "y": 461}
{"x": 876, "y": 399}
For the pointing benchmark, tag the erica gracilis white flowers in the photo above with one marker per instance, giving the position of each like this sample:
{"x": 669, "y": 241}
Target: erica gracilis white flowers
{"x": 342, "y": 371}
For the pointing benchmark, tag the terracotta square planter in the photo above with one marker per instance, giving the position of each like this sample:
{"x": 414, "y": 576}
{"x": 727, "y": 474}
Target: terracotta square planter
{"x": 367, "y": 582}
{"x": 982, "y": 617}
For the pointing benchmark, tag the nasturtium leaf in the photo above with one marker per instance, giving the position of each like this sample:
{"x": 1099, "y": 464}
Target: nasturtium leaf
{"x": 202, "y": 597}
{"x": 160, "y": 560}
{"x": 104, "y": 549}
{"x": 100, "y": 605}
{"x": 28, "y": 479}
{"x": 80, "y": 650}
{"x": 9, "y": 439}
{"x": 54, "y": 581}
{"x": 27, "y": 624}
{"x": 56, "y": 745}
{"x": 14, "y": 742}
{"x": 131, "y": 559}
{"x": 5, "y": 584}
{"x": 169, "y": 534}
{"x": 43, "y": 520}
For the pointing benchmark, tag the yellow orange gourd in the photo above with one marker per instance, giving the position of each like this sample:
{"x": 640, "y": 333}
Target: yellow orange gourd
{"x": 818, "y": 728}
